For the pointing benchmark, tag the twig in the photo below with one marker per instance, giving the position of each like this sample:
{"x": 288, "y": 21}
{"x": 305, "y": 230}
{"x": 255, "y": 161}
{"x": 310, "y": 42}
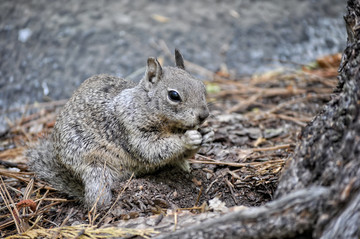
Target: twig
{"x": 117, "y": 199}
{"x": 232, "y": 164}
{"x": 54, "y": 199}
{"x": 29, "y": 189}
{"x": 244, "y": 104}
{"x": 36, "y": 105}
{"x": 69, "y": 215}
{"x": 198, "y": 197}
{"x": 13, "y": 175}
{"x": 35, "y": 224}
{"x": 289, "y": 118}
{"x": 40, "y": 120}
{"x": 231, "y": 188}
{"x": 296, "y": 100}
{"x": 284, "y": 146}
{"x": 189, "y": 208}
{"x": 211, "y": 184}
{"x": 8, "y": 200}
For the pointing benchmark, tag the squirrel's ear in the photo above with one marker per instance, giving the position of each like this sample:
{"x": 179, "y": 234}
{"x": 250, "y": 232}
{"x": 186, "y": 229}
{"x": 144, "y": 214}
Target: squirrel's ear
{"x": 179, "y": 60}
{"x": 153, "y": 70}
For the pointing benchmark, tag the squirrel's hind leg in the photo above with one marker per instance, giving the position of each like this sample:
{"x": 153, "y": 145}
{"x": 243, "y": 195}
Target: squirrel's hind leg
{"x": 183, "y": 164}
{"x": 98, "y": 181}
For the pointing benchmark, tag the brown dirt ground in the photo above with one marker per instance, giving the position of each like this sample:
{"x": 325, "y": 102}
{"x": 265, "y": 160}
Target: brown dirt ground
{"x": 256, "y": 121}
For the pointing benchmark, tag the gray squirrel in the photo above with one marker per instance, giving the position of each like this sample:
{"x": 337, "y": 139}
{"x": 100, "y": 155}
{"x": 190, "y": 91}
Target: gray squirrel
{"x": 111, "y": 128}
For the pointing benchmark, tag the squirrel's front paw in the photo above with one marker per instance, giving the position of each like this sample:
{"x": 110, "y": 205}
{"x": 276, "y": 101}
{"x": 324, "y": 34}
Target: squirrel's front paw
{"x": 207, "y": 135}
{"x": 192, "y": 139}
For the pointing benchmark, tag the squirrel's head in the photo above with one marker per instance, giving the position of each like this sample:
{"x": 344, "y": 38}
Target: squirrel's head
{"x": 174, "y": 95}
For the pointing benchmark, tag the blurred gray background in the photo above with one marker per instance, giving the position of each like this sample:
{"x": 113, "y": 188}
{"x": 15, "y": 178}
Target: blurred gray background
{"x": 47, "y": 48}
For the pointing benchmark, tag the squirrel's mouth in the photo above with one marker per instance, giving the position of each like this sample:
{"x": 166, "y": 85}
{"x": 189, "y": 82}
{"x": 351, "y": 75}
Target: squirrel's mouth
{"x": 190, "y": 127}
{"x": 181, "y": 129}
{"x": 177, "y": 127}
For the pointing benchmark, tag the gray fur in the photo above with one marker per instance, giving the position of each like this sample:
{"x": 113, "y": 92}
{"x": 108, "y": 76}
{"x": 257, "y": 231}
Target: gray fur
{"x": 111, "y": 128}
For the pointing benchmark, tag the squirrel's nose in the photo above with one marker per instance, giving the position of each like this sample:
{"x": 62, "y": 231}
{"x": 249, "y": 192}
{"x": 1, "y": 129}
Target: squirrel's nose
{"x": 203, "y": 115}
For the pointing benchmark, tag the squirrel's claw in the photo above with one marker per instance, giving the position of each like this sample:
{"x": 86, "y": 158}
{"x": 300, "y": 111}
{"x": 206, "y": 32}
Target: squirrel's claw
{"x": 192, "y": 139}
{"x": 208, "y": 135}
{"x": 183, "y": 165}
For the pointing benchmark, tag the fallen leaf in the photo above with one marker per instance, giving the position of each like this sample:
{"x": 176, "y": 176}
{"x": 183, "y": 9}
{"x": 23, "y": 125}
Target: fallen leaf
{"x": 217, "y": 205}
{"x": 160, "y": 18}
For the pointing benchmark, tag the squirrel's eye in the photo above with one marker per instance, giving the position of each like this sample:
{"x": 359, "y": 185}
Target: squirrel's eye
{"x": 174, "y": 96}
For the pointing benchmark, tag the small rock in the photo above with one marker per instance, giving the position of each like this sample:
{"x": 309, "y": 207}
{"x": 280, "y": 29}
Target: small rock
{"x": 45, "y": 88}
{"x": 37, "y": 128}
{"x": 240, "y": 132}
{"x": 75, "y": 223}
{"x": 254, "y": 133}
{"x": 227, "y": 118}
{"x": 134, "y": 215}
{"x": 161, "y": 203}
{"x": 271, "y": 133}
{"x": 238, "y": 140}
{"x": 117, "y": 212}
{"x": 14, "y": 169}
{"x": 24, "y": 34}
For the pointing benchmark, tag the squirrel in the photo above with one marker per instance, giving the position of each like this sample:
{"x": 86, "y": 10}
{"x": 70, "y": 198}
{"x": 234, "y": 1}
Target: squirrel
{"x": 111, "y": 128}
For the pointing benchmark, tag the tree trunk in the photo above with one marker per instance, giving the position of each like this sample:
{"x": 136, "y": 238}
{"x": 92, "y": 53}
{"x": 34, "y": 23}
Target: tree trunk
{"x": 319, "y": 192}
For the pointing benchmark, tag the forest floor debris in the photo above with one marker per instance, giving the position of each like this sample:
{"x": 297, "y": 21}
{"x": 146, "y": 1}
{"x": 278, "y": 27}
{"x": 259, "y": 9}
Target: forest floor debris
{"x": 256, "y": 120}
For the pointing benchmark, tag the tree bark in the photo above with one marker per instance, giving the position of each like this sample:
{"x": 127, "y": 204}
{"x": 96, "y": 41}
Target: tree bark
{"x": 319, "y": 192}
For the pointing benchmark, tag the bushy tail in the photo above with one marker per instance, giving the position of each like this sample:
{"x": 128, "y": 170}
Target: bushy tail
{"x": 42, "y": 161}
